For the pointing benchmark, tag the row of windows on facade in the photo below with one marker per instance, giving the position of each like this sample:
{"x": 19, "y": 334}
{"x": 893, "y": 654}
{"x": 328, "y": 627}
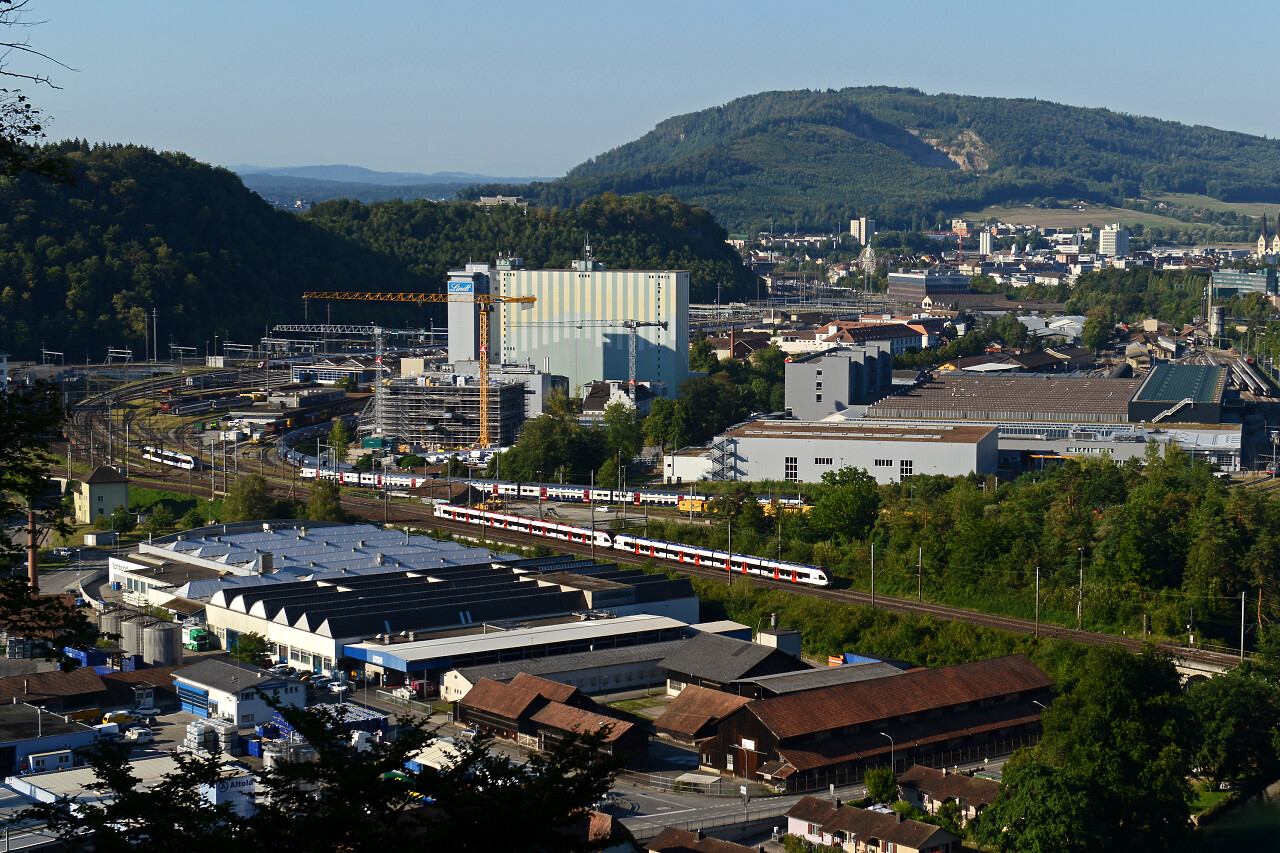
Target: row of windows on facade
{"x": 791, "y": 466}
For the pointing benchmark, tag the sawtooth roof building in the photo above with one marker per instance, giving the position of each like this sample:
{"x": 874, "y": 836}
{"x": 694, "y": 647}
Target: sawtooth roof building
{"x": 312, "y": 590}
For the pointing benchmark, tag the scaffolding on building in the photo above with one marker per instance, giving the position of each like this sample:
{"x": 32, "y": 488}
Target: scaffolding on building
{"x": 445, "y": 416}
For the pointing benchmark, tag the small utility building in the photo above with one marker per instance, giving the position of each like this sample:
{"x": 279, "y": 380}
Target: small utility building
{"x": 234, "y": 691}
{"x": 33, "y": 738}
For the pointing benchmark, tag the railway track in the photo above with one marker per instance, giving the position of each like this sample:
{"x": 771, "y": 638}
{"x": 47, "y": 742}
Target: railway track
{"x": 283, "y": 483}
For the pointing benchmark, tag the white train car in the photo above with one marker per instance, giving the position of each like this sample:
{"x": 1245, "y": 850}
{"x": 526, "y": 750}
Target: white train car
{"x": 703, "y": 557}
{"x": 169, "y": 457}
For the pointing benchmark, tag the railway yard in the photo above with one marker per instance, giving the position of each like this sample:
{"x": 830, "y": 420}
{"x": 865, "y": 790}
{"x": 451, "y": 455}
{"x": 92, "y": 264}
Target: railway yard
{"x": 119, "y": 424}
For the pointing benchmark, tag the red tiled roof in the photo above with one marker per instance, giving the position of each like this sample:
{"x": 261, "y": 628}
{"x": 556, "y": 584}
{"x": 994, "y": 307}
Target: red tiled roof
{"x": 866, "y": 824}
{"x": 544, "y": 687}
{"x": 812, "y": 810}
{"x": 970, "y": 790}
{"x": 913, "y": 692}
{"x": 673, "y": 840}
{"x": 44, "y": 686}
{"x": 500, "y": 699}
{"x": 569, "y": 719}
{"x": 695, "y": 707}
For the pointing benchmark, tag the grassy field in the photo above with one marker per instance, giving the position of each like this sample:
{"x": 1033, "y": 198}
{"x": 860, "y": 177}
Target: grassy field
{"x": 1245, "y": 209}
{"x": 1095, "y": 214}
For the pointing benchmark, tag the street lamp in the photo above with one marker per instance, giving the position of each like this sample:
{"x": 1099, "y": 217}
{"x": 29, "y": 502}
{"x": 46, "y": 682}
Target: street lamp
{"x": 882, "y": 734}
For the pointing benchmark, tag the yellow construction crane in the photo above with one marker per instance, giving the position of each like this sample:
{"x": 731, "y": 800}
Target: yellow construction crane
{"x": 484, "y": 304}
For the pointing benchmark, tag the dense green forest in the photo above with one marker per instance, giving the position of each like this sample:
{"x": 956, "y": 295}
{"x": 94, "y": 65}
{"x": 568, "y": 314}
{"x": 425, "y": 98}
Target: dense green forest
{"x": 83, "y": 263}
{"x": 1161, "y": 538}
{"x": 814, "y": 158}
{"x": 635, "y": 232}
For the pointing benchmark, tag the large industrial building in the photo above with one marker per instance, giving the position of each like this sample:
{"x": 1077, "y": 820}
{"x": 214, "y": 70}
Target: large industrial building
{"x": 1170, "y": 393}
{"x": 314, "y": 590}
{"x": 579, "y": 325}
{"x": 802, "y": 452}
{"x": 937, "y": 285}
{"x": 1228, "y": 283}
{"x": 1040, "y": 417}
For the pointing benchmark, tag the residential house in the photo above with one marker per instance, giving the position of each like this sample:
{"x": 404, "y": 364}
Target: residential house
{"x": 866, "y": 830}
{"x": 929, "y": 789}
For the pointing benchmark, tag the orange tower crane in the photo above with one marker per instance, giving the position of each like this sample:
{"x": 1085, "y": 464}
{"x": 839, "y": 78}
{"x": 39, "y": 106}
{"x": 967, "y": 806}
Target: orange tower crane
{"x": 484, "y": 304}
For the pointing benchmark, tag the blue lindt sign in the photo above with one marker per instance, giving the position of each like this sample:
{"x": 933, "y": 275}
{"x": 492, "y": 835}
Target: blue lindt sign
{"x": 461, "y": 287}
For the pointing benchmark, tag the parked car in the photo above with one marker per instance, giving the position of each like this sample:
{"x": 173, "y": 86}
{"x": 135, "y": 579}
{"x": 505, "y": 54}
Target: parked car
{"x": 146, "y": 712}
{"x": 339, "y": 688}
{"x": 139, "y": 735}
{"x": 63, "y": 553}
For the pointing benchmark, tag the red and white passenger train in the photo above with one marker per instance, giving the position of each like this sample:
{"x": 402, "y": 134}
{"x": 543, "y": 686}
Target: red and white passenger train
{"x": 693, "y": 555}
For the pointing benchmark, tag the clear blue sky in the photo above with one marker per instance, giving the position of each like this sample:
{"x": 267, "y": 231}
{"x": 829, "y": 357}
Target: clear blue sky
{"x": 533, "y": 88}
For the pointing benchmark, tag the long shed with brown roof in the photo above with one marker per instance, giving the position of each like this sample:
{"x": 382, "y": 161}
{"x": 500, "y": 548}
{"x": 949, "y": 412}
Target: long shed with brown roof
{"x": 847, "y": 727}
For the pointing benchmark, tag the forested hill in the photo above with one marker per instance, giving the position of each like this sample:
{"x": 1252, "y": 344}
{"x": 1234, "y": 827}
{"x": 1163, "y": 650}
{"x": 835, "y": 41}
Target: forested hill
{"x": 633, "y": 232}
{"x": 82, "y": 265}
{"x": 908, "y": 158}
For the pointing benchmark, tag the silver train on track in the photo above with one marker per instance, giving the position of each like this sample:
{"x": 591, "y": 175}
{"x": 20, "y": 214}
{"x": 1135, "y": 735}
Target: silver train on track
{"x": 746, "y": 564}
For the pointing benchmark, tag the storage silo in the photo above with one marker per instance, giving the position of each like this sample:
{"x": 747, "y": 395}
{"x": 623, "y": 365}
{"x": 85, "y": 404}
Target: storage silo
{"x": 109, "y": 621}
{"x": 131, "y": 627}
{"x": 162, "y": 644}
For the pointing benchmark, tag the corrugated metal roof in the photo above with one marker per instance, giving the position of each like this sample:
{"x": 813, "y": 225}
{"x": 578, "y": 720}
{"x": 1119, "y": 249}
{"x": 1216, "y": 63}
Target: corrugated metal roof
{"x": 507, "y": 670}
{"x": 719, "y": 658}
{"x": 517, "y": 637}
{"x": 813, "y": 679}
{"x": 1169, "y": 383}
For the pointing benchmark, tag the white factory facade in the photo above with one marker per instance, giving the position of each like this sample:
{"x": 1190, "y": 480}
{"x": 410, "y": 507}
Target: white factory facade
{"x": 800, "y": 452}
{"x": 576, "y": 328}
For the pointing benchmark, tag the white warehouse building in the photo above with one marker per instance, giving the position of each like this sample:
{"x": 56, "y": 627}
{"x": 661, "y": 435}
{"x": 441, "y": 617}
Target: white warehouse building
{"x": 803, "y": 452}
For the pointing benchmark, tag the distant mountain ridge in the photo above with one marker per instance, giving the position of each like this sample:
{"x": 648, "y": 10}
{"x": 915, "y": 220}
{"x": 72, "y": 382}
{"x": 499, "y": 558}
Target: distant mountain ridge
{"x": 909, "y": 159}
{"x": 361, "y": 175}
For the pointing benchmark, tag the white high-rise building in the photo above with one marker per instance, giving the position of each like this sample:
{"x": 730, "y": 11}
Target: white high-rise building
{"x": 1113, "y": 241}
{"x": 576, "y": 328}
{"x": 862, "y": 229}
